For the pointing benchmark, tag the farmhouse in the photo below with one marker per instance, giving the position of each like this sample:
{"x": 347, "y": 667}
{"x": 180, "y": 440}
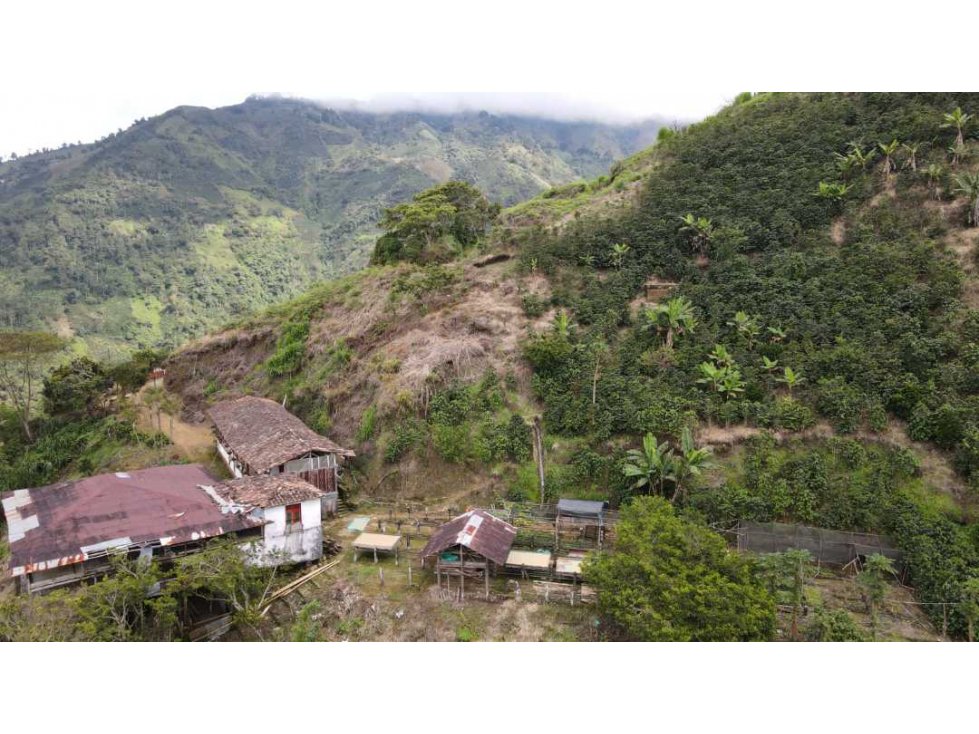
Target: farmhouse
{"x": 65, "y": 532}
{"x": 473, "y": 545}
{"x": 257, "y": 436}
{"x": 288, "y": 509}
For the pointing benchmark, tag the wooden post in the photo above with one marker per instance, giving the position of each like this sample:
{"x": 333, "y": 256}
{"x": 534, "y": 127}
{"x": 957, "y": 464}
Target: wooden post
{"x": 409, "y": 574}
{"x": 380, "y": 573}
{"x": 375, "y": 554}
{"x": 539, "y": 455}
{"x": 486, "y": 577}
{"x": 462, "y": 574}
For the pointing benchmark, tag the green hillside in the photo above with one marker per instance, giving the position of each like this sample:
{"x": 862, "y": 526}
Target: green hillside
{"x": 186, "y": 220}
{"x": 816, "y": 363}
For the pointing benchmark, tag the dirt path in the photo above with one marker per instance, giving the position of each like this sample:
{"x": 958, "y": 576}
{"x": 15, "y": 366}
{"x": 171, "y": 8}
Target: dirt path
{"x": 192, "y": 440}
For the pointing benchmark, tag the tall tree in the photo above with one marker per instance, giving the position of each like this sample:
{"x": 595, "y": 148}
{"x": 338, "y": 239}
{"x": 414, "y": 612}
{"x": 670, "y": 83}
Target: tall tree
{"x": 24, "y": 357}
{"x": 958, "y": 120}
{"x": 889, "y": 149}
{"x": 969, "y": 606}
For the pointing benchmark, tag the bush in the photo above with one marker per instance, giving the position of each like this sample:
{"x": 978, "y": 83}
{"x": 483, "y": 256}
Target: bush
{"x": 290, "y": 351}
{"x": 786, "y": 413}
{"x": 407, "y": 434}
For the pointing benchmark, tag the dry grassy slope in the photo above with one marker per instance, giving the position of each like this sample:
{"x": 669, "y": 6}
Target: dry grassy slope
{"x": 402, "y": 346}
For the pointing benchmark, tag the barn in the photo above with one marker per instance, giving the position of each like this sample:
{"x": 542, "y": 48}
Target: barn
{"x": 257, "y": 436}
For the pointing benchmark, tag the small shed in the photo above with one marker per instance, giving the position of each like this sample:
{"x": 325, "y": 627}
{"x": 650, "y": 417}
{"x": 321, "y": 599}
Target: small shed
{"x": 587, "y": 517}
{"x": 473, "y": 545}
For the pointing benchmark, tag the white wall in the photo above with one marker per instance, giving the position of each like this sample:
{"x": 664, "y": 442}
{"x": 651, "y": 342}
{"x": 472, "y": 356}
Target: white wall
{"x": 308, "y": 463}
{"x": 302, "y": 544}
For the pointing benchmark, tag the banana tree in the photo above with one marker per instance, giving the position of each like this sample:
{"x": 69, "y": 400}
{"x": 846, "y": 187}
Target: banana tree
{"x": 721, "y": 356}
{"x": 958, "y": 120}
{"x": 700, "y": 230}
{"x": 776, "y": 334}
{"x": 619, "y": 252}
{"x": 769, "y": 365}
{"x": 845, "y": 164}
{"x": 935, "y": 172}
{"x": 651, "y": 465}
{"x": 968, "y": 185}
{"x": 676, "y": 316}
{"x": 861, "y": 158}
{"x": 790, "y": 378}
{"x": 691, "y": 462}
{"x": 747, "y": 326}
{"x": 911, "y": 153}
{"x": 833, "y": 191}
{"x": 889, "y": 149}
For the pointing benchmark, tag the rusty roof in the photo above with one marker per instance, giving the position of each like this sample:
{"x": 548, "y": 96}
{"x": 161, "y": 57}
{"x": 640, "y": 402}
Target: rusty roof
{"x": 267, "y": 491}
{"x": 478, "y": 531}
{"x": 69, "y": 522}
{"x": 263, "y": 434}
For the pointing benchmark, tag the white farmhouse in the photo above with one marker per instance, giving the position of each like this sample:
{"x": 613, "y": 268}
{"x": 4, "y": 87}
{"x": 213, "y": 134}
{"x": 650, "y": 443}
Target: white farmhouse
{"x": 289, "y": 509}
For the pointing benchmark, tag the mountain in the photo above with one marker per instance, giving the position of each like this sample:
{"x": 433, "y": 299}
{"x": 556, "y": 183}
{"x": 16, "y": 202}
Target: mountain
{"x": 829, "y": 359}
{"x": 197, "y": 216}
{"x": 815, "y": 363}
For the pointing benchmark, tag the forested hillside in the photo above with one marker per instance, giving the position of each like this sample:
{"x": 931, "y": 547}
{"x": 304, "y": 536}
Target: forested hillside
{"x": 198, "y": 216}
{"x": 806, "y": 354}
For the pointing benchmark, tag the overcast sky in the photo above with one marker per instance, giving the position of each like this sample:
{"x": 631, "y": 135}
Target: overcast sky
{"x": 33, "y": 121}
{"x": 77, "y": 70}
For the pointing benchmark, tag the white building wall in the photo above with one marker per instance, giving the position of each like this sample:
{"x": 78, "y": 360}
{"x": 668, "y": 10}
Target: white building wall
{"x": 299, "y": 545}
{"x": 307, "y": 463}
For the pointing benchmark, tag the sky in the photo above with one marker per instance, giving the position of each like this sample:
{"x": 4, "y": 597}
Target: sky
{"x": 33, "y": 121}
{"x": 79, "y": 70}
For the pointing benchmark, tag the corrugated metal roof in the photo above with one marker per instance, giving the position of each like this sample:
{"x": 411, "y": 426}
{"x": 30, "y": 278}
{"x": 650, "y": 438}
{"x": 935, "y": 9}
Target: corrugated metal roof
{"x": 581, "y": 508}
{"x": 263, "y": 434}
{"x": 478, "y": 531}
{"x": 69, "y": 522}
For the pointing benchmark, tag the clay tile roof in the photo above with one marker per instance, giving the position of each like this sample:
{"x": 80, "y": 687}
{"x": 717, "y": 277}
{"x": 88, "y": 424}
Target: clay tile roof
{"x": 267, "y": 491}
{"x": 263, "y": 434}
{"x": 69, "y": 522}
{"x": 478, "y": 531}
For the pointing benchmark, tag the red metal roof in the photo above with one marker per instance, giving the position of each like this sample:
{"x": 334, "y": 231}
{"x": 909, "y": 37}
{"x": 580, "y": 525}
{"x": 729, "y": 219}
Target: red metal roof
{"x": 478, "y": 531}
{"x": 67, "y": 523}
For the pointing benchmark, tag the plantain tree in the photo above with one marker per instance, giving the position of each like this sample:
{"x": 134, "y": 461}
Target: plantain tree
{"x": 967, "y": 184}
{"x": 957, "y": 120}
{"x": 690, "y": 462}
{"x": 675, "y": 317}
{"x": 700, "y": 230}
{"x": 888, "y": 150}
{"x": 649, "y": 466}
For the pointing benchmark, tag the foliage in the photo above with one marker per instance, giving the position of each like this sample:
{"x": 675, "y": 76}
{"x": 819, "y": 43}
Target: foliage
{"x": 76, "y": 390}
{"x": 670, "y": 579}
{"x": 24, "y": 357}
{"x": 833, "y": 626}
{"x": 454, "y": 210}
{"x": 290, "y": 350}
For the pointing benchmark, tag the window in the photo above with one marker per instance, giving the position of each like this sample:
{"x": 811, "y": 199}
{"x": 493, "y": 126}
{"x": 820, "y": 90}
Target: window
{"x": 294, "y": 518}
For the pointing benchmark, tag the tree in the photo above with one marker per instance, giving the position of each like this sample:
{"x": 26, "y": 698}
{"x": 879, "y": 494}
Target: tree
{"x": 911, "y": 154}
{"x": 76, "y": 389}
{"x": 958, "y": 120}
{"x": 721, "y": 356}
{"x": 676, "y": 316}
{"x": 24, "y": 357}
{"x": 787, "y": 574}
{"x": 725, "y": 381}
{"x": 653, "y": 464}
{"x": 670, "y": 579}
{"x": 967, "y": 184}
{"x": 776, "y": 334}
{"x": 861, "y": 158}
{"x": 691, "y": 462}
{"x": 790, "y": 378}
{"x": 769, "y": 365}
{"x": 700, "y": 230}
{"x": 747, "y": 326}
{"x": 935, "y": 172}
{"x": 171, "y": 405}
{"x": 562, "y": 324}
{"x": 873, "y": 584}
{"x": 889, "y": 149}
{"x": 969, "y": 605}
{"x": 619, "y": 252}
{"x": 833, "y": 191}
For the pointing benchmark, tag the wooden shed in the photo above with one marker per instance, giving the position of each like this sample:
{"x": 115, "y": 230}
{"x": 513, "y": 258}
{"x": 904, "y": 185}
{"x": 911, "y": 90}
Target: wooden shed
{"x": 473, "y": 545}
{"x": 585, "y": 518}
